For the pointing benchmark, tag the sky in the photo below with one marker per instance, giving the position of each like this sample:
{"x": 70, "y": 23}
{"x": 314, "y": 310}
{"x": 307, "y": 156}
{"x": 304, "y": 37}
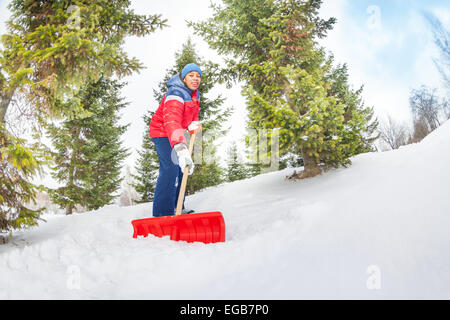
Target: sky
{"x": 388, "y": 47}
{"x": 386, "y": 44}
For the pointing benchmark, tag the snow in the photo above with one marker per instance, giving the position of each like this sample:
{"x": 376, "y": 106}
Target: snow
{"x": 376, "y": 230}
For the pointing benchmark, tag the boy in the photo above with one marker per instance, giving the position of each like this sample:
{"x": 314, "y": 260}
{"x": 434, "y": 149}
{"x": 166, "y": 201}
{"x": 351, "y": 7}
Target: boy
{"x": 177, "y": 112}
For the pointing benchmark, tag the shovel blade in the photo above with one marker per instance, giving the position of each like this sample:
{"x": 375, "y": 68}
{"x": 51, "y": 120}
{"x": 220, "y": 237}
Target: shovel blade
{"x": 208, "y": 227}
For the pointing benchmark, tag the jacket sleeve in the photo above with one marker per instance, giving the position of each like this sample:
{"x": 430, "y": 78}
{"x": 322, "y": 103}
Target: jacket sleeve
{"x": 173, "y": 111}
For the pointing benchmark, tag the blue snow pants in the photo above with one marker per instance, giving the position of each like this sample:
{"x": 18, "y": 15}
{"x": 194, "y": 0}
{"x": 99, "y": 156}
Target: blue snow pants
{"x": 169, "y": 179}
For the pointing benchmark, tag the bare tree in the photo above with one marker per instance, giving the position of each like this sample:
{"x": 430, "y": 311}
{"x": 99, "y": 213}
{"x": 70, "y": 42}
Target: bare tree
{"x": 394, "y": 134}
{"x": 128, "y": 196}
{"x": 446, "y": 108}
{"x": 442, "y": 42}
{"x": 427, "y": 105}
{"x": 420, "y": 130}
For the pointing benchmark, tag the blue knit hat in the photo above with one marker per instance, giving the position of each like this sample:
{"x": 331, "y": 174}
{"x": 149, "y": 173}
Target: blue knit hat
{"x": 189, "y": 68}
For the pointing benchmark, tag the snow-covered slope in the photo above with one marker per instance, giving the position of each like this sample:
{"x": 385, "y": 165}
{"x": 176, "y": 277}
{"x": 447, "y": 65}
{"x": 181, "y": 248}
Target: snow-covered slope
{"x": 379, "y": 229}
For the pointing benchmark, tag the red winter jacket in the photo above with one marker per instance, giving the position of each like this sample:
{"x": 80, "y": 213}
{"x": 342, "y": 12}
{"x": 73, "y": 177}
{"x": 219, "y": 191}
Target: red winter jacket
{"x": 179, "y": 107}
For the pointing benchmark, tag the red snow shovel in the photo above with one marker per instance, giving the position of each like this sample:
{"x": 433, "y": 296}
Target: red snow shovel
{"x": 208, "y": 227}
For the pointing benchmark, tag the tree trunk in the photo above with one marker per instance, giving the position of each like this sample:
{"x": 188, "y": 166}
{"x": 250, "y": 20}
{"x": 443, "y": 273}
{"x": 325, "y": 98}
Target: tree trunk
{"x": 69, "y": 209}
{"x": 311, "y": 168}
{"x": 4, "y": 104}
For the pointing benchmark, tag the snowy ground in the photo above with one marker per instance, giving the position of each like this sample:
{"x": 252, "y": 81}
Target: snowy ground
{"x": 377, "y": 230}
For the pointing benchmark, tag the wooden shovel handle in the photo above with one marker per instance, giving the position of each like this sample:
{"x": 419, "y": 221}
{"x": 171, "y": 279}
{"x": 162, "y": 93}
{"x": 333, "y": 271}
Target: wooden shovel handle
{"x": 184, "y": 181}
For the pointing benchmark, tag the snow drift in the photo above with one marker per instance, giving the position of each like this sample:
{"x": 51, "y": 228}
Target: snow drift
{"x": 376, "y": 230}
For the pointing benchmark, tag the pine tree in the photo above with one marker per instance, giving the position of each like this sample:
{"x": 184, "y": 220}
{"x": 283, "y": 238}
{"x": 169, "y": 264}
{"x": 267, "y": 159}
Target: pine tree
{"x": 89, "y": 155}
{"x": 18, "y": 162}
{"x": 290, "y": 83}
{"x": 147, "y": 165}
{"x": 236, "y": 169}
{"x": 208, "y": 173}
{"x": 52, "y": 50}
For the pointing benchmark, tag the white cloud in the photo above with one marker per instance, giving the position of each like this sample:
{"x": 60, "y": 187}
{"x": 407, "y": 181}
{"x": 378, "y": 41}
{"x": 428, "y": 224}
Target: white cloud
{"x": 378, "y": 51}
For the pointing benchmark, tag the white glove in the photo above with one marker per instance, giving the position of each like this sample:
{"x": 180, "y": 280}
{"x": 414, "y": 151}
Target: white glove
{"x": 184, "y": 158}
{"x": 195, "y": 126}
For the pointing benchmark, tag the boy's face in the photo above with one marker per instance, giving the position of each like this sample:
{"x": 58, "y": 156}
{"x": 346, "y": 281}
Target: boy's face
{"x": 192, "y": 80}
